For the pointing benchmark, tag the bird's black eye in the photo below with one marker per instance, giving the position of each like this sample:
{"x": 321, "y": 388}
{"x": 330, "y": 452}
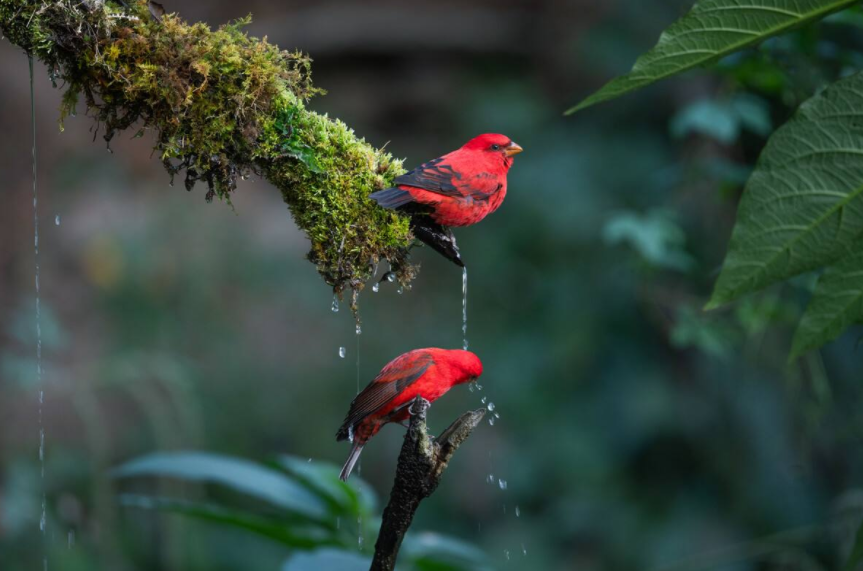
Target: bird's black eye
{"x": 495, "y": 147}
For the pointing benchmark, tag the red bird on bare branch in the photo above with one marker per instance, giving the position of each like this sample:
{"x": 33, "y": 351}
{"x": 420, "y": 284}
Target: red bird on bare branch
{"x": 458, "y": 189}
{"x": 427, "y": 373}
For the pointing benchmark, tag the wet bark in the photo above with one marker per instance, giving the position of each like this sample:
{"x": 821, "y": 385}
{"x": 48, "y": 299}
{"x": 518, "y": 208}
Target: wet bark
{"x": 421, "y": 464}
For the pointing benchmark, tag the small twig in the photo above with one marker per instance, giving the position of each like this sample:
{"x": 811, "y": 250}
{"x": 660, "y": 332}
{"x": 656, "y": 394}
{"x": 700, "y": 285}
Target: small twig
{"x": 421, "y": 464}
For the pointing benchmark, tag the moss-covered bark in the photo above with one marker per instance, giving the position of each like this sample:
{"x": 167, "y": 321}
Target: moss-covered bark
{"x": 222, "y": 105}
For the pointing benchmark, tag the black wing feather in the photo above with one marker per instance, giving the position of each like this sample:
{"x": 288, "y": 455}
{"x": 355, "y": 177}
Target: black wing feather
{"x": 376, "y": 395}
{"x": 434, "y": 176}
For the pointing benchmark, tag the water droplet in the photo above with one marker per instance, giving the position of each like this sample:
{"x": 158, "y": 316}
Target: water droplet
{"x": 490, "y": 406}
{"x": 70, "y": 539}
{"x": 391, "y": 277}
{"x": 471, "y": 386}
{"x": 484, "y": 400}
{"x": 490, "y": 479}
{"x": 523, "y": 549}
{"x": 335, "y": 306}
{"x": 57, "y": 220}
{"x": 359, "y": 329}
{"x": 517, "y": 511}
{"x": 502, "y": 483}
{"x": 491, "y": 421}
{"x": 400, "y": 290}
{"x": 376, "y": 288}
{"x": 506, "y": 553}
{"x": 478, "y": 387}
{"x": 496, "y": 415}
{"x": 310, "y": 460}
{"x": 351, "y": 433}
{"x": 342, "y": 352}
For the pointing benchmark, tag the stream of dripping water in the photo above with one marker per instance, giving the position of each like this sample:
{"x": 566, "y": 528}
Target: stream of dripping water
{"x": 42, "y": 515}
{"x": 464, "y": 308}
{"x": 360, "y": 537}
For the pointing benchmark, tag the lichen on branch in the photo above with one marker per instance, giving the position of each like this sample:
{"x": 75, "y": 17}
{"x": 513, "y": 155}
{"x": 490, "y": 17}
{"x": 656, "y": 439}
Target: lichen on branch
{"x": 222, "y": 105}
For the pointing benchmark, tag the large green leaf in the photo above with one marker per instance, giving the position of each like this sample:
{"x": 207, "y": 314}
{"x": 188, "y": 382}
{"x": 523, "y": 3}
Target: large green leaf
{"x": 836, "y": 304}
{"x": 323, "y": 478}
{"x": 710, "y": 31}
{"x": 803, "y": 206}
{"x": 856, "y": 555}
{"x": 252, "y": 479}
{"x": 297, "y": 537}
{"x": 428, "y": 550}
{"x": 328, "y": 560}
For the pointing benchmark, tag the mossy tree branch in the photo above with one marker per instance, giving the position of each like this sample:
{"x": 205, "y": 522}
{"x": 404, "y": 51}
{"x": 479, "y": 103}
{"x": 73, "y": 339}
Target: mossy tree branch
{"x": 421, "y": 464}
{"x": 222, "y": 105}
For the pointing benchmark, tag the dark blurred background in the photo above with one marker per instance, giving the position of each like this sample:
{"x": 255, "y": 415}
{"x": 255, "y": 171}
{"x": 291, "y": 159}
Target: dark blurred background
{"x": 634, "y": 431}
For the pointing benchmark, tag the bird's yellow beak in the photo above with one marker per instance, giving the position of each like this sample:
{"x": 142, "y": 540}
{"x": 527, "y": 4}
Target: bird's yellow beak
{"x": 513, "y": 149}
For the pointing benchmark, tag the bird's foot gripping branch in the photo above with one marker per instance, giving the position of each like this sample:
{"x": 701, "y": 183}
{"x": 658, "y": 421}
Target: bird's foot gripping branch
{"x": 222, "y": 105}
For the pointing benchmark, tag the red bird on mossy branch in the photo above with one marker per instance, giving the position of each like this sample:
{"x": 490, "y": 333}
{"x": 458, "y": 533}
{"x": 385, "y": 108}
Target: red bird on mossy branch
{"x": 427, "y": 373}
{"x": 458, "y": 189}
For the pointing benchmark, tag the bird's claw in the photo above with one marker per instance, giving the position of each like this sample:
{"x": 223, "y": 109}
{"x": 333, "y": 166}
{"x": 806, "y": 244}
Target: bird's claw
{"x": 422, "y": 404}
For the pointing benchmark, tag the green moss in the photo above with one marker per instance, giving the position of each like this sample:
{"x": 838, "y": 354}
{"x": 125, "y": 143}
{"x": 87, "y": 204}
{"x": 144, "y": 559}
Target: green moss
{"x": 223, "y": 105}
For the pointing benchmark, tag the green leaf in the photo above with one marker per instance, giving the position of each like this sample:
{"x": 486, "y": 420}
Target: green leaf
{"x": 856, "y": 555}
{"x": 243, "y": 476}
{"x": 328, "y": 560}
{"x": 836, "y": 304}
{"x": 803, "y": 206}
{"x": 654, "y": 235}
{"x": 712, "y": 30}
{"x": 432, "y": 550}
{"x": 323, "y": 479}
{"x": 297, "y": 537}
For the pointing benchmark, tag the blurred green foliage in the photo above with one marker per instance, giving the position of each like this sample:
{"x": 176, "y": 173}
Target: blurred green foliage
{"x": 625, "y": 438}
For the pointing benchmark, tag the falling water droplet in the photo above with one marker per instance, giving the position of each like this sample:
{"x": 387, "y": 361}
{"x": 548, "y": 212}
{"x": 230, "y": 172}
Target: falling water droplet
{"x": 523, "y": 549}
{"x": 391, "y": 277}
{"x": 351, "y": 433}
{"x": 70, "y": 539}
{"x": 360, "y": 534}
{"x": 506, "y": 553}
{"x": 490, "y": 479}
{"x": 342, "y": 352}
{"x": 359, "y": 329}
{"x": 490, "y": 406}
{"x": 464, "y": 308}
{"x": 517, "y": 511}
{"x": 42, "y": 518}
{"x": 400, "y": 290}
{"x": 502, "y": 483}
{"x": 310, "y": 460}
{"x": 484, "y": 400}
{"x": 57, "y": 220}
{"x": 335, "y": 306}
{"x": 471, "y": 386}
{"x": 376, "y": 288}
{"x": 491, "y": 421}
{"x": 478, "y": 387}
{"x": 497, "y": 415}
